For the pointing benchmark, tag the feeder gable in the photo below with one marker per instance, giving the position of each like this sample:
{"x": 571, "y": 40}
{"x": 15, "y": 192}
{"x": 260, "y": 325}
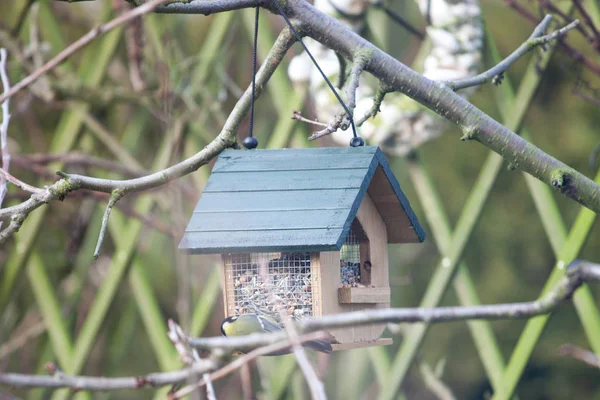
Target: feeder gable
{"x": 294, "y": 200}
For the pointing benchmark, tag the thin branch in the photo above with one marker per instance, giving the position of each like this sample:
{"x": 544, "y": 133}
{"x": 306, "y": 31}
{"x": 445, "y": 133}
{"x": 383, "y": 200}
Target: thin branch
{"x": 115, "y": 196}
{"x": 552, "y": 8}
{"x": 382, "y": 90}
{"x": 580, "y": 354}
{"x": 588, "y": 20}
{"x": 297, "y": 115}
{"x": 26, "y": 187}
{"x": 188, "y": 354}
{"x": 206, "y": 7}
{"x": 573, "y": 53}
{"x": 577, "y": 273}
{"x": 76, "y": 383}
{"x": 435, "y": 384}
{"x": 4, "y": 125}
{"x": 536, "y": 39}
{"x": 82, "y": 42}
{"x": 77, "y": 159}
{"x": 343, "y": 121}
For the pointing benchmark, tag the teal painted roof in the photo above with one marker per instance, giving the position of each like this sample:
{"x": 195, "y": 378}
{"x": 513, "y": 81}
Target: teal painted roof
{"x": 292, "y": 200}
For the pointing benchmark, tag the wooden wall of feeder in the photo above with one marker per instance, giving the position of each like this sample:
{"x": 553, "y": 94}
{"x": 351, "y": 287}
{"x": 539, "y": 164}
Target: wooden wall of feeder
{"x": 304, "y": 233}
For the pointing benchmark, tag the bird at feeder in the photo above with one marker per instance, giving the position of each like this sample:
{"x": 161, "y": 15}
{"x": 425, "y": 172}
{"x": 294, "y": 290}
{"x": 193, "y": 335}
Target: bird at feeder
{"x": 247, "y": 324}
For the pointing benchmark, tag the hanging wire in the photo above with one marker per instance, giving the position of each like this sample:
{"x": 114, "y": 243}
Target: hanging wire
{"x": 356, "y": 141}
{"x": 251, "y": 142}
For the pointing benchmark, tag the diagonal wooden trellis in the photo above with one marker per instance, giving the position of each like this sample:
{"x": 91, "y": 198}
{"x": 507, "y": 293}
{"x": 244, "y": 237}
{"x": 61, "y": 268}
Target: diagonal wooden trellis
{"x": 72, "y": 353}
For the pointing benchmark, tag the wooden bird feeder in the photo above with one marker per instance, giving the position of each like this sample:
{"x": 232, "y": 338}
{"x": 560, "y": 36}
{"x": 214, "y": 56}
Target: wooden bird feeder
{"x": 304, "y": 233}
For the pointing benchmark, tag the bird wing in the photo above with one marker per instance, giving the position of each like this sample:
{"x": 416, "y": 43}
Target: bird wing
{"x": 268, "y": 324}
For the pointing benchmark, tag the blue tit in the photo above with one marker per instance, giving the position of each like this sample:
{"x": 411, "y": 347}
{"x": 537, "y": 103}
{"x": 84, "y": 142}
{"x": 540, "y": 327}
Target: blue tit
{"x": 247, "y": 324}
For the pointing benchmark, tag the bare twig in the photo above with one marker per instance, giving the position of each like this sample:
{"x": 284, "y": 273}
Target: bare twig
{"x": 580, "y": 354}
{"x": 188, "y": 354}
{"x": 536, "y": 39}
{"x": 298, "y": 116}
{"x": 573, "y": 53}
{"x": 82, "y": 42}
{"x": 4, "y": 125}
{"x": 61, "y": 380}
{"x": 588, "y": 20}
{"x": 547, "y": 4}
{"x": 382, "y": 90}
{"x": 115, "y": 196}
{"x": 435, "y": 384}
{"x": 77, "y": 159}
{"x": 26, "y": 187}
{"x": 343, "y": 121}
{"x": 22, "y": 339}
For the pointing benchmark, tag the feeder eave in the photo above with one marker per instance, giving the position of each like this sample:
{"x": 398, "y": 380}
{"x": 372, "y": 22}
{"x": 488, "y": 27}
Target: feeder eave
{"x": 188, "y": 246}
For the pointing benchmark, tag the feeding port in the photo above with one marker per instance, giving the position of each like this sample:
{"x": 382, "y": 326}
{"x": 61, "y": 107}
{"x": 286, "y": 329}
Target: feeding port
{"x": 354, "y": 254}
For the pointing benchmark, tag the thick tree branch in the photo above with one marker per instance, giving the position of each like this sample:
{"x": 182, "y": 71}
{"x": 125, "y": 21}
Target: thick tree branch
{"x": 437, "y": 96}
{"x": 476, "y": 125}
{"x": 577, "y": 273}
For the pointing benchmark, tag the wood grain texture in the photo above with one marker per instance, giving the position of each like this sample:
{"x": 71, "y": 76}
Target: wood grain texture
{"x": 364, "y": 295}
{"x": 268, "y": 220}
{"x": 376, "y": 230}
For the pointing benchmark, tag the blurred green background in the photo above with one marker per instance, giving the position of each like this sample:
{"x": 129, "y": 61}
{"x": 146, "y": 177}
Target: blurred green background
{"x": 108, "y": 316}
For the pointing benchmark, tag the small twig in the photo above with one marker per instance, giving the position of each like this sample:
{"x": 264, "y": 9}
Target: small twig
{"x": 298, "y": 115}
{"x": 115, "y": 196}
{"x": 536, "y": 39}
{"x": 26, "y": 187}
{"x": 22, "y": 339}
{"x": 588, "y": 20}
{"x": 580, "y": 354}
{"x": 552, "y": 8}
{"x": 246, "y": 382}
{"x": 435, "y": 384}
{"x": 360, "y": 62}
{"x": 329, "y": 128}
{"x": 82, "y": 42}
{"x": 343, "y": 121}
{"x": 4, "y": 126}
{"x": 76, "y": 383}
{"x": 382, "y": 90}
{"x": 188, "y": 354}
{"x": 77, "y": 159}
{"x": 573, "y": 53}
{"x": 273, "y": 347}
{"x": 342, "y": 75}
